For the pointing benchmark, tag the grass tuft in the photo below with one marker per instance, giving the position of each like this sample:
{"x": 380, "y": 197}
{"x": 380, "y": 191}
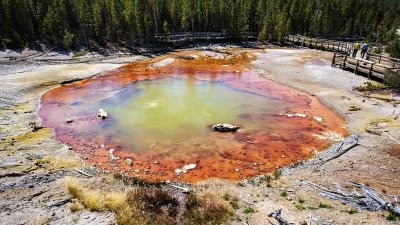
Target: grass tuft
{"x": 284, "y": 194}
{"x": 324, "y": 206}
{"x": 59, "y": 162}
{"x": 248, "y": 210}
{"x": 352, "y": 211}
{"x": 300, "y": 206}
{"x": 74, "y": 207}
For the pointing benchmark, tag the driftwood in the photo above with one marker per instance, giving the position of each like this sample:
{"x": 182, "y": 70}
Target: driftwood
{"x": 380, "y": 98}
{"x": 341, "y": 148}
{"x": 369, "y": 199}
{"x": 398, "y": 142}
{"x": 83, "y": 173}
{"x": 184, "y": 189}
{"x": 277, "y": 215}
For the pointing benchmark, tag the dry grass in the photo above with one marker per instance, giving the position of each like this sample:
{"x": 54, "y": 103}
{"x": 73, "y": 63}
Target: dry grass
{"x": 151, "y": 205}
{"x": 57, "y": 162}
{"x": 74, "y": 207}
{"x": 95, "y": 200}
{"x": 369, "y": 86}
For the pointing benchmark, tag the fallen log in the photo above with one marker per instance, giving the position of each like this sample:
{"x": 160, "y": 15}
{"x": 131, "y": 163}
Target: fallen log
{"x": 341, "y": 148}
{"x": 370, "y": 200}
{"x": 277, "y": 215}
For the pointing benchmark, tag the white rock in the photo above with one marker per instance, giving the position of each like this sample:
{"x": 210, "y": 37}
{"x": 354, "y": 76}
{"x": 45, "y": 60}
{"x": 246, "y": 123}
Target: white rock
{"x": 102, "y": 114}
{"x": 70, "y": 120}
{"x": 290, "y": 115}
{"x": 111, "y": 152}
{"x": 129, "y": 162}
{"x": 318, "y": 119}
{"x": 224, "y": 127}
{"x": 237, "y": 170}
{"x": 185, "y": 169}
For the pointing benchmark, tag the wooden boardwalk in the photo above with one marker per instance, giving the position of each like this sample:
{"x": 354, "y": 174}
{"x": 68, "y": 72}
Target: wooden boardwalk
{"x": 320, "y": 43}
{"x": 186, "y": 38}
{"x": 377, "y": 66}
{"x": 374, "y": 66}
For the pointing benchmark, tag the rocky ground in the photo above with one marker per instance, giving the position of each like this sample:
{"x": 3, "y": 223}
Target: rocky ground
{"x": 34, "y": 164}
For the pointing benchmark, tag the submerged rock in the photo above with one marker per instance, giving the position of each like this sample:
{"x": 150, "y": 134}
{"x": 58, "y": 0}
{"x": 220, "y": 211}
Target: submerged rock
{"x": 318, "y": 119}
{"x": 129, "y": 162}
{"x": 225, "y": 127}
{"x": 102, "y": 114}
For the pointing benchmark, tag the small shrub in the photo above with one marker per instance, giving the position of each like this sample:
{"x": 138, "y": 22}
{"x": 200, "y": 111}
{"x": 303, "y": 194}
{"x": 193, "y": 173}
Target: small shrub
{"x": 301, "y": 200}
{"x": 378, "y": 50}
{"x": 324, "y": 206}
{"x": 393, "y": 216}
{"x": 68, "y": 40}
{"x": 394, "y": 49}
{"x": 80, "y": 53}
{"x": 248, "y": 210}
{"x": 277, "y": 174}
{"x": 284, "y": 194}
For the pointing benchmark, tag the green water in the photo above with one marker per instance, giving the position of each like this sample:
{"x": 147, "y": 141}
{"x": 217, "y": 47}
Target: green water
{"x": 174, "y": 109}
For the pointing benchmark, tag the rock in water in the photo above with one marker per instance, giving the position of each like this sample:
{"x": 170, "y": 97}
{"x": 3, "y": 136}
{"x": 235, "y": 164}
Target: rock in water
{"x": 70, "y": 120}
{"x": 225, "y": 127}
{"x": 129, "y": 162}
{"x": 102, "y": 114}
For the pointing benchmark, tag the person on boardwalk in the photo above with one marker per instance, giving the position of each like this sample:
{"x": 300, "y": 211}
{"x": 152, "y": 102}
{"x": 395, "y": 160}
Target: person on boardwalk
{"x": 364, "y": 49}
{"x": 355, "y": 49}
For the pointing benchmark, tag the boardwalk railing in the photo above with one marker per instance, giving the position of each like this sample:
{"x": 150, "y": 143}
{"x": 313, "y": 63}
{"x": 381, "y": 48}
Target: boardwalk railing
{"x": 367, "y": 67}
{"x": 186, "y": 37}
{"x": 319, "y": 43}
{"x": 384, "y": 60}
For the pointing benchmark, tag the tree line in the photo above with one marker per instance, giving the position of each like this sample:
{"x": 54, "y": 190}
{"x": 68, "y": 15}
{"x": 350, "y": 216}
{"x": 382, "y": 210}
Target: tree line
{"x": 132, "y": 23}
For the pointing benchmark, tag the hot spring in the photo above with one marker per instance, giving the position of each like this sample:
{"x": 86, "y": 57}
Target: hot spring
{"x": 160, "y": 118}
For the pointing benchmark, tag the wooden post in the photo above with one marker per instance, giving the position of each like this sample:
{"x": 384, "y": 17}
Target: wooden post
{"x": 358, "y": 62}
{"x": 370, "y": 71}
{"x": 333, "y": 60}
{"x": 316, "y": 44}
{"x": 344, "y": 62}
{"x": 380, "y": 57}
